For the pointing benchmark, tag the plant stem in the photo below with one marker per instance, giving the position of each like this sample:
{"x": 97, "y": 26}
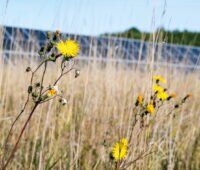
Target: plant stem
{"x": 18, "y": 116}
{"x": 18, "y": 140}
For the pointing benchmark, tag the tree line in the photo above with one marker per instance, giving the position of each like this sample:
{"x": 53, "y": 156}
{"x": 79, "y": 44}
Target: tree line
{"x": 161, "y": 35}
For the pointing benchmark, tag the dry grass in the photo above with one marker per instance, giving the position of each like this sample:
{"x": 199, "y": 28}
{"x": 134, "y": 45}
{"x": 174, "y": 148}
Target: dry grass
{"x": 81, "y": 134}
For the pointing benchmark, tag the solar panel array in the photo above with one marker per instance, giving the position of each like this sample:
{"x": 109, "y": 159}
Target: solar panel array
{"x": 20, "y": 41}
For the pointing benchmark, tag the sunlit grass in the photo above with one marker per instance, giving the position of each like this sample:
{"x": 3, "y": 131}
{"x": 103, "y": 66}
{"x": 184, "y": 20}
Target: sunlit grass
{"x": 99, "y": 112}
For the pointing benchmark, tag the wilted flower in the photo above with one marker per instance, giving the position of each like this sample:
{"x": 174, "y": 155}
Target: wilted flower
{"x": 120, "y": 149}
{"x": 69, "y": 48}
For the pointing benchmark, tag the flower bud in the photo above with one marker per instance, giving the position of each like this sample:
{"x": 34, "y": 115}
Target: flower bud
{"x": 52, "y": 57}
{"x": 186, "y": 97}
{"x": 34, "y": 94}
{"x": 176, "y": 106}
{"x": 56, "y": 35}
{"x": 41, "y": 51}
{"x": 37, "y": 84}
{"x": 30, "y": 88}
{"x": 28, "y": 69}
{"x": 48, "y": 35}
{"x": 171, "y": 96}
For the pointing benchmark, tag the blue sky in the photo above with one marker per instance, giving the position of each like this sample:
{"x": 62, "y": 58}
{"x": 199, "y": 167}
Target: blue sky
{"x": 93, "y": 17}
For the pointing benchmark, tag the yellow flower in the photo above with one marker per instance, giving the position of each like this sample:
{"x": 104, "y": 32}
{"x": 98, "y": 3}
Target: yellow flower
{"x": 157, "y": 88}
{"x": 52, "y": 91}
{"x": 150, "y": 108}
{"x": 124, "y": 142}
{"x": 162, "y": 96}
{"x": 69, "y": 48}
{"x": 119, "y": 151}
{"x": 140, "y": 99}
{"x": 159, "y": 79}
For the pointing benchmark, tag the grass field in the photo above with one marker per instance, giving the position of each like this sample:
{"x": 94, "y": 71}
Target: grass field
{"x": 100, "y": 111}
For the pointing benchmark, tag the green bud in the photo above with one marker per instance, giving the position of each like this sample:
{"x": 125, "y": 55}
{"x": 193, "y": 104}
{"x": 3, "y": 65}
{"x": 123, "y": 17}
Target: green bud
{"x": 43, "y": 98}
{"x": 50, "y": 46}
{"x": 41, "y": 51}
{"x": 48, "y": 35}
{"x": 56, "y": 35}
{"x": 52, "y": 58}
{"x": 34, "y": 94}
{"x": 37, "y": 84}
{"x": 30, "y": 88}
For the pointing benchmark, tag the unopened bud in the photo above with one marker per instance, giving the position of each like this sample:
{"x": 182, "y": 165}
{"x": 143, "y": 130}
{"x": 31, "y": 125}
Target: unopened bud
{"x": 171, "y": 96}
{"x": 34, "y": 94}
{"x": 28, "y": 69}
{"x": 48, "y": 35}
{"x": 30, "y": 88}
{"x": 37, "y": 84}
{"x": 176, "y": 106}
{"x": 52, "y": 57}
{"x": 41, "y": 51}
{"x": 56, "y": 35}
{"x": 186, "y": 97}
{"x": 57, "y": 32}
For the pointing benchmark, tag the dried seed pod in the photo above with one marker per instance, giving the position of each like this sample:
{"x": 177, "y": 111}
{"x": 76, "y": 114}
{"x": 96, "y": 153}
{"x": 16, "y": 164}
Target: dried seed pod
{"x": 77, "y": 73}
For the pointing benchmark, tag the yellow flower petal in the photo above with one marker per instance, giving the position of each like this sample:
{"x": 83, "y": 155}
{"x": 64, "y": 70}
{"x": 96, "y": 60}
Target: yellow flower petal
{"x": 69, "y": 48}
{"x": 120, "y": 149}
{"x": 159, "y": 79}
{"x": 162, "y": 96}
{"x": 157, "y": 88}
{"x": 150, "y": 108}
{"x": 140, "y": 99}
{"x": 51, "y": 92}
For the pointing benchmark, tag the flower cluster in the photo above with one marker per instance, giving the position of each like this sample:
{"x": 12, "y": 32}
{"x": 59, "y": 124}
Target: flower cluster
{"x": 159, "y": 96}
{"x": 144, "y": 108}
{"x": 51, "y": 51}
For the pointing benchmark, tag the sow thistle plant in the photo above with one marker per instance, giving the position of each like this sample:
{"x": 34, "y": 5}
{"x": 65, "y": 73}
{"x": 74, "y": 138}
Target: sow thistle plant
{"x": 55, "y": 49}
{"x": 144, "y": 108}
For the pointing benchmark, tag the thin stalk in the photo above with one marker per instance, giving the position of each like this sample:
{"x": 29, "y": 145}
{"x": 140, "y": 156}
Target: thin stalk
{"x": 18, "y": 116}
{"x": 18, "y": 139}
